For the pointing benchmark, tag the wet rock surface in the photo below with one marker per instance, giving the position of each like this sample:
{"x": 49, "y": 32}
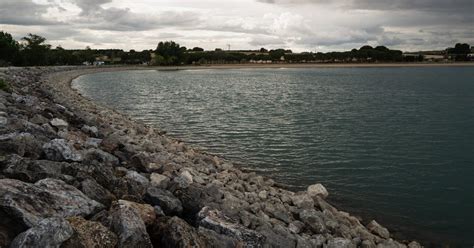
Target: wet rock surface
{"x": 76, "y": 174}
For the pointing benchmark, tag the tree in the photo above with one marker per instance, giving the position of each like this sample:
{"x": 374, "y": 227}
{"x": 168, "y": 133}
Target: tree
{"x": 277, "y": 54}
{"x": 172, "y": 53}
{"x": 9, "y": 49}
{"x": 197, "y": 49}
{"x": 35, "y": 50}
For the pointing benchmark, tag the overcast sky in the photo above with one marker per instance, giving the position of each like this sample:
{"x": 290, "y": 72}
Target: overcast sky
{"x": 302, "y": 25}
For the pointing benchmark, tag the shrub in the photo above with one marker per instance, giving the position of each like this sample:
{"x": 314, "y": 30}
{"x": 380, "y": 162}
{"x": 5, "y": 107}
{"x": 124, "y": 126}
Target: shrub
{"x": 4, "y": 86}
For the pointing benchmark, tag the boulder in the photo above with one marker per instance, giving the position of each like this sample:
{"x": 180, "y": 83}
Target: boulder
{"x": 273, "y": 238}
{"x": 165, "y": 199}
{"x": 27, "y": 170}
{"x": 158, "y": 180}
{"x": 90, "y": 130}
{"x": 390, "y": 243}
{"x": 184, "y": 179}
{"x": 340, "y": 243}
{"x": 3, "y": 122}
{"x": 377, "y": 229}
{"x": 214, "y": 239}
{"x": 127, "y": 223}
{"x": 137, "y": 183}
{"x": 221, "y": 224}
{"x": 60, "y": 150}
{"x": 146, "y": 212}
{"x": 89, "y": 234}
{"x": 27, "y": 203}
{"x": 303, "y": 201}
{"x": 414, "y": 244}
{"x": 59, "y": 123}
{"x": 99, "y": 157}
{"x": 278, "y": 211}
{"x": 50, "y": 232}
{"x": 23, "y": 144}
{"x": 96, "y": 192}
{"x": 317, "y": 190}
{"x": 314, "y": 220}
{"x": 176, "y": 233}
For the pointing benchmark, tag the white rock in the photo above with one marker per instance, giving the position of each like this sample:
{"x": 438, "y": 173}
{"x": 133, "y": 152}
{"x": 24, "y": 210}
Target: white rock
{"x": 186, "y": 175}
{"x": 59, "y": 123}
{"x": 317, "y": 190}
{"x": 3, "y": 121}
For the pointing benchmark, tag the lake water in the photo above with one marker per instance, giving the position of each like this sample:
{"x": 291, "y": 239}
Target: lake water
{"x": 394, "y": 144}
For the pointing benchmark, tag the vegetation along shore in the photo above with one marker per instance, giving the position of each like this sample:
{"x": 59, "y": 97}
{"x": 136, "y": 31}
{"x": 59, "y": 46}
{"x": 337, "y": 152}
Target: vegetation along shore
{"x": 77, "y": 174}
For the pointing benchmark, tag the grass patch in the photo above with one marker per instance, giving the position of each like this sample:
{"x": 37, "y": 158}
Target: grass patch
{"x": 4, "y": 86}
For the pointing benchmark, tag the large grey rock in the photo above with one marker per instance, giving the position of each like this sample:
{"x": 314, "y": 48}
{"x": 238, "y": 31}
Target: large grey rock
{"x": 303, "y": 201}
{"x": 278, "y": 211}
{"x": 129, "y": 226}
{"x": 32, "y": 170}
{"x": 96, "y": 192}
{"x": 317, "y": 190}
{"x": 340, "y": 243}
{"x": 218, "y": 222}
{"x": 165, "y": 199}
{"x": 137, "y": 183}
{"x": 377, "y": 229}
{"x": 23, "y": 144}
{"x": 50, "y": 233}
{"x": 27, "y": 203}
{"x": 314, "y": 220}
{"x": 60, "y": 150}
{"x": 99, "y": 157}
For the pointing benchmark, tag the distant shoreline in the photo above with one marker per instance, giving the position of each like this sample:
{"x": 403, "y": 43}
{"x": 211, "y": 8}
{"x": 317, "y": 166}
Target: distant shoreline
{"x": 332, "y": 65}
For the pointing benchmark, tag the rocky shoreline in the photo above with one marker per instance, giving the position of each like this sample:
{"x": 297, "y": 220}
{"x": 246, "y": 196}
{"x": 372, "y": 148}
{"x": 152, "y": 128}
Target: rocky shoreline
{"x": 77, "y": 174}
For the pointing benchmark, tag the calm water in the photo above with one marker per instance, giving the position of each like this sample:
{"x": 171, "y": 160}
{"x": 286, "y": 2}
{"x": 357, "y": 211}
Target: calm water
{"x": 395, "y": 144}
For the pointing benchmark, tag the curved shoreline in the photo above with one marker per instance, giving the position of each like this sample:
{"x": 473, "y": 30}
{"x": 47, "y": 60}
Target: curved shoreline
{"x": 220, "y": 204}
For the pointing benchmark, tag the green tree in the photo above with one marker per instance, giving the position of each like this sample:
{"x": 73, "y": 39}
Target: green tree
{"x": 172, "y": 53}
{"x": 9, "y": 49}
{"x": 35, "y": 50}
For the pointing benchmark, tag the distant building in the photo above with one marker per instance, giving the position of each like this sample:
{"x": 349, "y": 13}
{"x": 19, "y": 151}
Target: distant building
{"x": 434, "y": 58}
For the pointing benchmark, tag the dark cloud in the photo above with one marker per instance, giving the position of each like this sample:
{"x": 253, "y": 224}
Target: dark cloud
{"x": 24, "y": 12}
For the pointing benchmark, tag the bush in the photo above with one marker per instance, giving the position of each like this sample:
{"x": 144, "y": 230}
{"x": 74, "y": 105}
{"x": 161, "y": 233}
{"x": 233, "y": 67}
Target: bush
{"x": 4, "y": 86}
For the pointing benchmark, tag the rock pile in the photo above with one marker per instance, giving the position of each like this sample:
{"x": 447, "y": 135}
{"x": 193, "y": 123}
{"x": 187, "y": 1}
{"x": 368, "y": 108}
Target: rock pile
{"x": 75, "y": 174}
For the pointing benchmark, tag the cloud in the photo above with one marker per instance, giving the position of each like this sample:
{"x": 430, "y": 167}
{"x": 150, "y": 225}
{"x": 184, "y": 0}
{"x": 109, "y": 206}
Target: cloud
{"x": 302, "y": 25}
{"x": 465, "y": 6}
{"x": 24, "y": 12}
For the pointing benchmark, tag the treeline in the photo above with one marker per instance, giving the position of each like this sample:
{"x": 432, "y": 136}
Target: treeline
{"x": 170, "y": 53}
{"x": 34, "y": 51}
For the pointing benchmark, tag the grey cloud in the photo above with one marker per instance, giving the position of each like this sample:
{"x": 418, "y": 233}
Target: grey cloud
{"x": 24, "y": 12}
{"x": 90, "y": 6}
{"x": 420, "y": 5}
{"x": 125, "y": 20}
